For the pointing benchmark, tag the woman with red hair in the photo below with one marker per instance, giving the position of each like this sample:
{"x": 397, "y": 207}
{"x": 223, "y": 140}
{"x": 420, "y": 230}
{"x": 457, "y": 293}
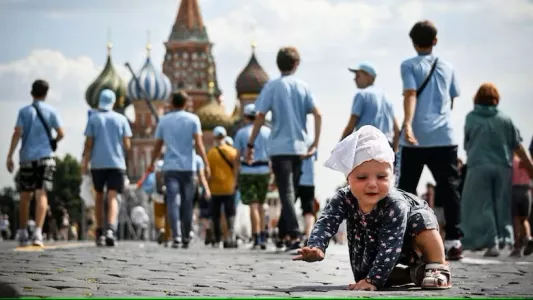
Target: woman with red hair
{"x": 490, "y": 141}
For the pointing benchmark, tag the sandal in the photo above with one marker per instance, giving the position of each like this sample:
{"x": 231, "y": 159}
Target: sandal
{"x": 437, "y": 277}
{"x": 417, "y": 273}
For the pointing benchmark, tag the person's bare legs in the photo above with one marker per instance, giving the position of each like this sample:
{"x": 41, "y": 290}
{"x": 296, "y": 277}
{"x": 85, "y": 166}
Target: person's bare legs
{"x": 522, "y": 233}
{"x": 262, "y": 222}
{"x": 41, "y": 205}
{"x": 24, "y": 214}
{"x": 256, "y": 222}
{"x": 112, "y": 207}
{"x": 99, "y": 210}
{"x": 429, "y": 242}
{"x": 309, "y": 221}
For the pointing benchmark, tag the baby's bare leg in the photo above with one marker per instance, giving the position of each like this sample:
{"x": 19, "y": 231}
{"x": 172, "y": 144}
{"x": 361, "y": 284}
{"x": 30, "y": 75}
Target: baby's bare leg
{"x": 437, "y": 272}
{"x": 429, "y": 242}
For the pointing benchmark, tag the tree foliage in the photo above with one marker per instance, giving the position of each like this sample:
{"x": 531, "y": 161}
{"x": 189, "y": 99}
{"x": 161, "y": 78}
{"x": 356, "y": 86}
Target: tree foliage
{"x": 66, "y": 191}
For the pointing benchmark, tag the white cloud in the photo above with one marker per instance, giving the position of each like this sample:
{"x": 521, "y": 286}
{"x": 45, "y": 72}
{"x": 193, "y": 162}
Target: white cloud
{"x": 332, "y": 35}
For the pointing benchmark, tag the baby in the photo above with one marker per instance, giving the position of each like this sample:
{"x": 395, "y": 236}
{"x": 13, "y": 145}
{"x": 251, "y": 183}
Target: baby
{"x": 386, "y": 226}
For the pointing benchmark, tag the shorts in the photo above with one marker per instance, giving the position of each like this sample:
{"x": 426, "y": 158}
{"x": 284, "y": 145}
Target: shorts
{"x": 113, "y": 179}
{"x": 253, "y": 188}
{"x": 37, "y": 174}
{"x": 521, "y": 201}
{"x": 306, "y": 194}
{"x": 419, "y": 220}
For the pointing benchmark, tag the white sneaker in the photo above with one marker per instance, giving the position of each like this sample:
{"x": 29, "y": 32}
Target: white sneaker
{"x": 37, "y": 240}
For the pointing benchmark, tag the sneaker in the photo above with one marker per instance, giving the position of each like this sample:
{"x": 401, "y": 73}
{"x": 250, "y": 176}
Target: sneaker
{"x": 291, "y": 247}
{"x": 228, "y": 244}
{"x": 100, "y": 241}
{"x": 529, "y": 247}
{"x": 208, "y": 236}
{"x": 492, "y": 252}
{"x": 280, "y": 245}
{"x": 161, "y": 236}
{"x": 23, "y": 238}
{"x": 516, "y": 253}
{"x": 37, "y": 240}
{"x": 100, "y": 238}
{"x": 110, "y": 238}
{"x": 263, "y": 242}
{"x": 185, "y": 245}
{"x": 176, "y": 243}
{"x": 453, "y": 249}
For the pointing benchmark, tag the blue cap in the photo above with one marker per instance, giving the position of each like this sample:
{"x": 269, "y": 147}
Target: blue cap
{"x": 219, "y": 131}
{"x": 365, "y": 67}
{"x": 107, "y": 99}
{"x": 249, "y": 110}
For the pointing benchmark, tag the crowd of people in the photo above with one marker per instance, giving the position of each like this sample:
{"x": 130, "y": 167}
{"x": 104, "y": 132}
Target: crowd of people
{"x": 385, "y": 224}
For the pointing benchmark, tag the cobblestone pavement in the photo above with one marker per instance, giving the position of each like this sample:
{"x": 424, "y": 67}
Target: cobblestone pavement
{"x": 146, "y": 269}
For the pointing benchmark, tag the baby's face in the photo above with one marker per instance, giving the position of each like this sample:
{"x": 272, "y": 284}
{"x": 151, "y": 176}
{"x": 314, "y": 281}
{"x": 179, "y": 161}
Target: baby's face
{"x": 370, "y": 181}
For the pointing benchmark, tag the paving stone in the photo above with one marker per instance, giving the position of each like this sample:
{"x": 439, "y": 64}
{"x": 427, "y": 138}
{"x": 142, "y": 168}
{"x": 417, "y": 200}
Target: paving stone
{"x": 145, "y": 269}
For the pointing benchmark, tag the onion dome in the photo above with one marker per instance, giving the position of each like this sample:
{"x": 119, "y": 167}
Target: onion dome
{"x": 252, "y": 79}
{"x": 155, "y": 84}
{"x": 213, "y": 114}
{"x": 108, "y": 79}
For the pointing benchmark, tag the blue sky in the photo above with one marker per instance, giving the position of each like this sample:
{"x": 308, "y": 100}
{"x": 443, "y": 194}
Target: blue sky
{"x": 64, "y": 42}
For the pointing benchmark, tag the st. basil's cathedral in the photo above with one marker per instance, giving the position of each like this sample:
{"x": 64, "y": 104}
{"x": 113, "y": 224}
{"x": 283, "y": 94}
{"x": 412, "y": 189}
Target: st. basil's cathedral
{"x": 189, "y": 65}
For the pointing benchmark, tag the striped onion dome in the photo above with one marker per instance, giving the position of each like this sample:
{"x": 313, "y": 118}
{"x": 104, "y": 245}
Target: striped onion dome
{"x": 108, "y": 79}
{"x": 156, "y": 84}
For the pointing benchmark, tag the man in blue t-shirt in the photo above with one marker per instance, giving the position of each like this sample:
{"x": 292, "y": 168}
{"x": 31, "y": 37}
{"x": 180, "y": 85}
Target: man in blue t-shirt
{"x": 290, "y": 101}
{"x": 180, "y": 131}
{"x": 37, "y": 166}
{"x": 253, "y": 177}
{"x": 108, "y": 136}
{"x": 371, "y": 106}
{"x": 428, "y": 137}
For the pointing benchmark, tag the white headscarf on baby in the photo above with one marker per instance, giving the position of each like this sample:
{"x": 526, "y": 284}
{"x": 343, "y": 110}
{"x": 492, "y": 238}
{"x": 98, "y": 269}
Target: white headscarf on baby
{"x": 367, "y": 143}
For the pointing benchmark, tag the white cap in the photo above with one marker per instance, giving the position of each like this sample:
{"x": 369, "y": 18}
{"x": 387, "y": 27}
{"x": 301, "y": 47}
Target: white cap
{"x": 367, "y": 143}
{"x": 249, "y": 110}
{"x": 219, "y": 131}
{"x": 228, "y": 140}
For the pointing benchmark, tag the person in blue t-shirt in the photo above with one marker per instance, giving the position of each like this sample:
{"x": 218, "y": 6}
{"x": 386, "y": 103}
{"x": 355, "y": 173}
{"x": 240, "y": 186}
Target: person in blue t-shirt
{"x": 306, "y": 192}
{"x": 37, "y": 166}
{"x": 179, "y": 164}
{"x": 371, "y": 106}
{"x": 290, "y": 101}
{"x": 254, "y": 177}
{"x": 108, "y": 136}
{"x": 427, "y": 134}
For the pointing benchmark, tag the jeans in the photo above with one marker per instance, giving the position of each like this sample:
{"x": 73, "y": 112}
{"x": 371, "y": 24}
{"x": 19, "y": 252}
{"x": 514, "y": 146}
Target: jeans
{"x": 180, "y": 197}
{"x": 442, "y": 162}
{"x": 287, "y": 170}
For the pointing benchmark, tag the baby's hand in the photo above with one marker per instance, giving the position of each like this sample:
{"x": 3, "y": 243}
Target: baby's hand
{"x": 362, "y": 285}
{"x": 309, "y": 254}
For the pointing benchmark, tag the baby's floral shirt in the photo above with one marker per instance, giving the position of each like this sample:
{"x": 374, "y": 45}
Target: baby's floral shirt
{"x": 375, "y": 240}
